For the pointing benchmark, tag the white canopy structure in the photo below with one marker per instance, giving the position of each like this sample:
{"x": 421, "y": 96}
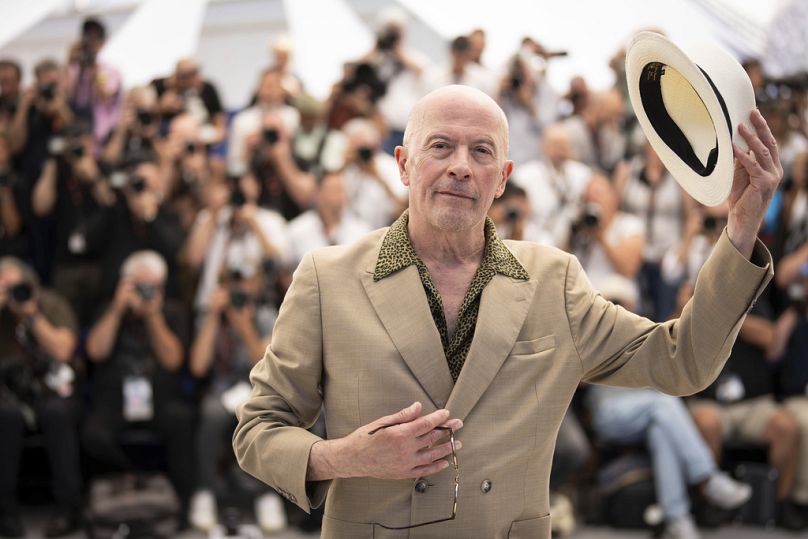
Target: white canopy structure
{"x": 231, "y": 38}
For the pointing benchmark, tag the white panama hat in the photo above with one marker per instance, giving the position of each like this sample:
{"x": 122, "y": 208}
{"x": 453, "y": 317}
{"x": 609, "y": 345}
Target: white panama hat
{"x": 690, "y": 109}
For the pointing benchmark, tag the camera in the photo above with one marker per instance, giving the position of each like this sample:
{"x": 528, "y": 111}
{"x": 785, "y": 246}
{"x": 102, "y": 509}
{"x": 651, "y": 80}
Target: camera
{"x": 137, "y": 184}
{"x": 591, "y": 217}
{"x": 388, "y": 39}
{"x": 190, "y": 147}
{"x": 365, "y": 154}
{"x": 48, "y": 91}
{"x": 238, "y": 298}
{"x": 709, "y": 223}
{"x": 146, "y": 291}
{"x": 271, "y": 136}
{"x": 237, "y": 198}
{"x": 76, "y": 149}
{"x": 21, "y": 292}
{"x": 144, "y": 117}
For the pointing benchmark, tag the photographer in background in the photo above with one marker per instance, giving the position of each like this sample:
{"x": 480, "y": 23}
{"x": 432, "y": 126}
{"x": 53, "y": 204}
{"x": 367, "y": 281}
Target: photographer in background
{"x": 375, "y": 192}
{"x": 38, "y": 334}
{"x": 232, "y": 230}
{"x": 43, "y": 112}
{"x": 400, "y": 69}
{"x": 10, "y": 79}
{"x": 137, "y": 345}
{"x": 140, "y": 219}
{"x": 138, "y": 130}
{"x": 284, "y": 186}
{"x": 72, "y": 193}
{"x": 270, "y": 96}
{"x": 13, "y": 240}
{"x": 555, "y": 185}
{"x": 328, "y": 223}
{"x": 606, "y": 240}
{"x": 511, "y": 214}
{"x": 231, "y": 338}
{"x": 462, "y": 70}
{"x": 95, "y": 88}
{"x": 185, "y": 91}
{"x": 528, "y": 101}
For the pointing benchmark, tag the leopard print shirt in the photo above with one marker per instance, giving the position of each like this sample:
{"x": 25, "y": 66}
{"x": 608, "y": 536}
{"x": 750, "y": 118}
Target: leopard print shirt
{"x": 397, "y": 253}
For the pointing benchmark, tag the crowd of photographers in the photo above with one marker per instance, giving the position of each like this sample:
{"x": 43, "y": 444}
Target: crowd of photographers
{"x": 147, "y": 240}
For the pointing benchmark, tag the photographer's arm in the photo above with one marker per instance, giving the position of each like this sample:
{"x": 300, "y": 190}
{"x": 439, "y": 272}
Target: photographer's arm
{"x": 626, "y": 257}
{"x": 300, "y": 185}
{"x": 757, "y": 330}
{"x": 58, "y": 342}
{"x": 113, "y": 151}
{"x": 203, "y": 345}
{"x": 165, "y": 344}
{"x": 199, "y": 240}
{"x": 18, "y": 129}
{"x": 10, "y": 219}
{"x": 103, "y": 334}
{"x": 790, "y": 267}
{"x": 43, "y": 198}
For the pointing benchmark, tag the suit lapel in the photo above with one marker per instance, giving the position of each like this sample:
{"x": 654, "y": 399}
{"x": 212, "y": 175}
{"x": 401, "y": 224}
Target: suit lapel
{"x": 504, "y": 305}
{"x": 401, "y": 304}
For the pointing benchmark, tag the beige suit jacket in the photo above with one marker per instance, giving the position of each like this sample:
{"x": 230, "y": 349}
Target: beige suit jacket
{"x": 365, "y": 349}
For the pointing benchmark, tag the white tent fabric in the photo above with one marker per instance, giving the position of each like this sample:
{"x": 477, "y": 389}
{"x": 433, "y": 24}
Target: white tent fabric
{"x": 155, "y": 36}
{"x": 18, "y": 17}
{"x": 326, "y": 34}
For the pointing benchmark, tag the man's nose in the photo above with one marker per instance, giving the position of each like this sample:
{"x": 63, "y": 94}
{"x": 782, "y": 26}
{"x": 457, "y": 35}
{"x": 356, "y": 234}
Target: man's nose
{"x": 460, "y": 168}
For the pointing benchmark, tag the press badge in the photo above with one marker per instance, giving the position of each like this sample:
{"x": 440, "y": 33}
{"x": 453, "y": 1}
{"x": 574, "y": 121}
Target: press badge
{"x": 137, "y": 399}
{"x": 77, "y": 243}
{"x": 730, "y": 388}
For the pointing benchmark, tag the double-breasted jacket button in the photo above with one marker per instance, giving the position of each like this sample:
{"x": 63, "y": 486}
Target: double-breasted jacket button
{"x": 486, "y": 486}
{"x": 421, "y": 485}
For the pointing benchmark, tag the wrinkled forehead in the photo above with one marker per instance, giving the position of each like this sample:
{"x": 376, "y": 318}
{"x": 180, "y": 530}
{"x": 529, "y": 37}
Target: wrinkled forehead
{"x": 464, "y": 117}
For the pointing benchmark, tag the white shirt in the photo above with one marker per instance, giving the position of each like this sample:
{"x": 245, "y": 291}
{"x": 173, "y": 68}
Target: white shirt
{"x": 367, "y": 199}
{"x": 554, "y": 195}
{"x": 307, "y": 233}
{"x": 242, "y": 252}
{"x": 675, "y": 272}
{"x": 667, "y": 218}
{"x": 595, "y": 262}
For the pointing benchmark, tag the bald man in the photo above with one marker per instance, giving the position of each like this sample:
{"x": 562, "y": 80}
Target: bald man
{"x": 436, "y": 313}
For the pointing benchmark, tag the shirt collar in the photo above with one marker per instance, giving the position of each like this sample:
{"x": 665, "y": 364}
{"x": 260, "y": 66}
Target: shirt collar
{"x": 397, "y": 252}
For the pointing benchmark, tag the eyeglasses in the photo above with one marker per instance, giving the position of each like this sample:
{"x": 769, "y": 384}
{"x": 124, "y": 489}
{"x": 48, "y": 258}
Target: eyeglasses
{"x": 456, "y": 483}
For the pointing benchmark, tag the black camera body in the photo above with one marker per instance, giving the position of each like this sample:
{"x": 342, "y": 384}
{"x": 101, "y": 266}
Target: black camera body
{"x": 387, "y": 40}
{"x": 237, "y": 198}
{"x": 144, "y": 117}
{"x": 271, "y": 136}
{"x": 137, "y": 184}
{"x": 364, "y": 153}
{"x": 48, "y": 91}
{"x": 238, "y": 298}
{"x": 591, "y": 217}
{"x": 21, "y": 292}
{"x": 146, "y": 291}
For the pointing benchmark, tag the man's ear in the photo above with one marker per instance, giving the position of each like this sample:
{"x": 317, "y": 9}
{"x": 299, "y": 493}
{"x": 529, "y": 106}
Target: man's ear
{"x": 401, "y": 160}
{"x": 506, "y": 173}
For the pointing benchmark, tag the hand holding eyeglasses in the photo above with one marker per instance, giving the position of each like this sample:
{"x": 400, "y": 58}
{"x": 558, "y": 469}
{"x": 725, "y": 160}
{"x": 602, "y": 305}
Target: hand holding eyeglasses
{"x": 399, "y": 446}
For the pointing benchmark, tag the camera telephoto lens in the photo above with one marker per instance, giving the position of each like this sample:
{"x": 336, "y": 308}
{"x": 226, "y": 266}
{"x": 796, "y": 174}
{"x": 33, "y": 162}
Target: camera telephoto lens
{"x": 190, "y": 147}
{"x": 137, "y": 184}
{"x": 365, "y": 154}
{"x": 238, "y": 298}
{"x": 48, "y": 91}
{"x": 237, "y": 198}
{"x": 144, "y": 117}
{"x": 710, "y": 223}
{"x": 21, "y": 292}
{"x": 146, "y": 291}
{"x": 271, "y": 136}
{"x": 77, "y": 149}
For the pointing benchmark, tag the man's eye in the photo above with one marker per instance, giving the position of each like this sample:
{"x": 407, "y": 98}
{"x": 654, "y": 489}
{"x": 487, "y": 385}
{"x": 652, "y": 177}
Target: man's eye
{"x": 484, "y": 150}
